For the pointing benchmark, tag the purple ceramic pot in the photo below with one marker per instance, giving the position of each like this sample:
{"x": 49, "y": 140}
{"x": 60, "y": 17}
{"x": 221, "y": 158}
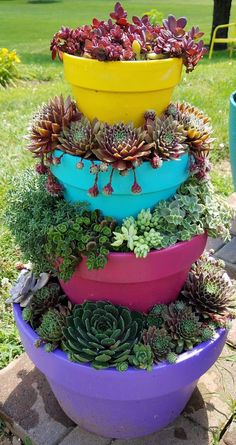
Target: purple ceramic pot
{"x": 121, "y": 404}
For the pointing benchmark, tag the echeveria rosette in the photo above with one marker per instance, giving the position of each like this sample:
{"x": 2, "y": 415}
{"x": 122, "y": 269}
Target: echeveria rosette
{"x": 79, "y": 138}
{"x": 209, "y": 290}
{"x": 123, "y": 147}
{"x": 102, "y": 334}
{"x": 114, "y": 39}
{"x": 161, "y": 343}
{"x": 169, "y": 137}
{"x": 142, "y": 357}
{"x": 184, "y": 327}
{"x": 47, "y": 125}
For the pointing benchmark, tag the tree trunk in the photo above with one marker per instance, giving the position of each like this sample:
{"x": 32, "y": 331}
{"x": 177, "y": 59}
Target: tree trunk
{"x": 221, "y": 15}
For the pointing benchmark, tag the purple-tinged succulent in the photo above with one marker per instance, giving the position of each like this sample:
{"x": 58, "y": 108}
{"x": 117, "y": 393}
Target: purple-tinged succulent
{"x": 113, "y": 39}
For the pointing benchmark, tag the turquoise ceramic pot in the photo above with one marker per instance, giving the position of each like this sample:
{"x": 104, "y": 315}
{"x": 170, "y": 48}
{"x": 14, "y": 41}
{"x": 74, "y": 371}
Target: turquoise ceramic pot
{"x": 232, "y": 135}
{"x": 157, "y": 184}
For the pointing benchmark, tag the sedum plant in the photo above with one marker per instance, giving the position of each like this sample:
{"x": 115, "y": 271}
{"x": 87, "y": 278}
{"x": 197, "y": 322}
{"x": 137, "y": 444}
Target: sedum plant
{"x": 101, "y": 334}
{"x": 195, "y": 208}
{"x": 114, "y": 39}
{"x": 89, "y": 234}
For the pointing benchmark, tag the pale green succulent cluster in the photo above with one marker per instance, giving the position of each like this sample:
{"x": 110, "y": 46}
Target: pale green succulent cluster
{"x": 194, "y": 209}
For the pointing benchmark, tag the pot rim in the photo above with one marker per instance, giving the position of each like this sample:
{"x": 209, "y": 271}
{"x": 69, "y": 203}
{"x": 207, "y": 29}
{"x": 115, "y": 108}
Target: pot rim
{"x": 98, "y": 161}
{"x": 158, "y": 251}
{"x": 233, "y": 98}
{"x": 60, "y": 355}
{"x": 167, "y": 60}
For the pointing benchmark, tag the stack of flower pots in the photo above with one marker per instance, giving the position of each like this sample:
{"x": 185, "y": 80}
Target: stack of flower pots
{"x": 136, "y": 402}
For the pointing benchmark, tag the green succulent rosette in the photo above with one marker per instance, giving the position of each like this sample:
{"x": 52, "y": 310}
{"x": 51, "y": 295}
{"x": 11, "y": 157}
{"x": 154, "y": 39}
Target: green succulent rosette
{"x": 101, "y": 334}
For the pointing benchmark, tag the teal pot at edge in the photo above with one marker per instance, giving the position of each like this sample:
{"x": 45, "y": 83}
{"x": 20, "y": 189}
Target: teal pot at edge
{"x": 232, "y": 135}
{"x": 157, "y": 184}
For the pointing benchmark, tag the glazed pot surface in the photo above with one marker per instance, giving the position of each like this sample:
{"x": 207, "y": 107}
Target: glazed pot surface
{"x": 232, "y": 135}
{"x": 121, "y": 91}
{"x": 157, "y": 184}
{"x": 121, "y": 404}
{"x": 138, "y": 283}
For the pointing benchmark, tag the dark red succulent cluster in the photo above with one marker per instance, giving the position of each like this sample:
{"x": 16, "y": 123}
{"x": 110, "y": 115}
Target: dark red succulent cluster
{"x": 113, "y": 39}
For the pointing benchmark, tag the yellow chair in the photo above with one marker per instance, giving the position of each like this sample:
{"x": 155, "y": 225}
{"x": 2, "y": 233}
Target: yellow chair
{"x": 231, "y": 39}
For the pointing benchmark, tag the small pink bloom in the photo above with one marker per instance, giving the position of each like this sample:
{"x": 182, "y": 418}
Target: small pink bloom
{"x": 107, "y": 189}
{"x": 41, "y": 169}
{"x": 93, "y": 191}
{"x": 136, "y": 188}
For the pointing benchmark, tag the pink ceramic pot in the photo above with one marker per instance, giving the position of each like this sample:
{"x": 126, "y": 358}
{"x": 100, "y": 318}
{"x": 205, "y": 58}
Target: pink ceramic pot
{"x": 138, "y": 283}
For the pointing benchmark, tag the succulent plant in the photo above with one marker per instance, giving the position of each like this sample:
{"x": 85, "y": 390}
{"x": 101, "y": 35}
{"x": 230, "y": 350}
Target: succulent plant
{"x": 160, "y": 342}
{"x": 26, "y": 286}
{"x": 142, "y": 357}
{"x": 88, "y": 234}
{"x": 79, "y": 138}
{"x": 194, "y": 209}
{"x": 208, "y": 288}
{"x": 48, "y": 123}
{"x": 119, "y": 39}
{"x": 197, "y": 126}
{"x": 156, "y": 316}
{"x": 42, "y": 300}
{"x": 122, "y": 145}
{"x": 169, "y": 137}
{"x": 184, "y": 327}
{"x": 101, "y": 334}
{"x": 50, "y": 329}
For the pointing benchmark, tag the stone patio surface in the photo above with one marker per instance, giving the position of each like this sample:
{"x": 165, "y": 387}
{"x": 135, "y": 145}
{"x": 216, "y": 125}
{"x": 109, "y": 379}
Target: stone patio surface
{"x": 30, "y": 410}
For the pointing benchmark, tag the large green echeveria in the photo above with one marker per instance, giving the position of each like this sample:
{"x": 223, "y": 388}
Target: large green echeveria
{"x": 101, "y": 334}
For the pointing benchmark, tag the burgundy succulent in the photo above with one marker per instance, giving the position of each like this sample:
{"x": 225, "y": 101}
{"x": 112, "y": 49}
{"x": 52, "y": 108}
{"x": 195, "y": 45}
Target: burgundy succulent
{"x": 113, "y": 39}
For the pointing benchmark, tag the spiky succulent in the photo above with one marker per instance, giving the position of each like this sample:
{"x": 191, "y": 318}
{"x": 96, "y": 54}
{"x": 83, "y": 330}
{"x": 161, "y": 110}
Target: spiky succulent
{"x": 209, "y": 289}
{"x": 101, "y": 334}
{"x": 79, "y": 138}
{"x": 184, "y": 327}
{"x": 48, "y": 123}
{"x": 42, "y": 300}
{"x": 160, "y": 342}
{"x": 50, "y": 329}
{"x": 169, "y": 137}
{"x": 142, "y": 357}
{"x": 122, "y": 145}
{"x": 156, "y": 316}
{"x": 197, "y": 126}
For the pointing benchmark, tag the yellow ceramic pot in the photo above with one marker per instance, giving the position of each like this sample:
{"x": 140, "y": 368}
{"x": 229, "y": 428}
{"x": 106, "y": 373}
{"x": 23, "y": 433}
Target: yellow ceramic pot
{"x": 121, "y": 91}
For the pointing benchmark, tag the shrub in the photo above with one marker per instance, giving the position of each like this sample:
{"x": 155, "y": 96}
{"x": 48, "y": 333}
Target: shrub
{"x": 8, "y": 69}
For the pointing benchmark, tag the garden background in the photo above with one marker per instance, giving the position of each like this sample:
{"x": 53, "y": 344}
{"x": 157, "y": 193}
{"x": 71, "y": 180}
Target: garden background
{"x": 27, "y": 27}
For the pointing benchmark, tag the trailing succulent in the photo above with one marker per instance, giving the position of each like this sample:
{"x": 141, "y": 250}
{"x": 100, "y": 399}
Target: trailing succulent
{"x": 102, "y": 334}
{"x": 119, "y": 39}
{"x": 195, "y": 208}
{"x": 59, "y": 125}
{"x": 209, "y": 290}
{"x": 54, "y": 234}
{"x": 89, "y": 234}
{"x": 48, "y": 228}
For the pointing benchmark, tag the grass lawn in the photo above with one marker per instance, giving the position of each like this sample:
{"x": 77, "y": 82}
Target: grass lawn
{"x": 28, "y": 28}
